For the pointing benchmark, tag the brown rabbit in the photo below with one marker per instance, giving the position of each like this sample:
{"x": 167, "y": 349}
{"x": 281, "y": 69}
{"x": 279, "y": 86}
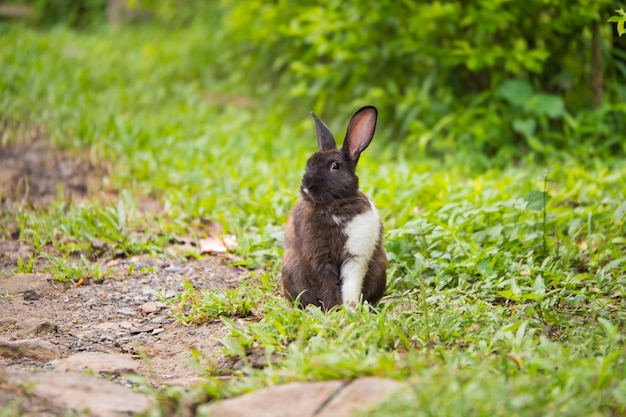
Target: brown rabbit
{"x": 333, "y": 240}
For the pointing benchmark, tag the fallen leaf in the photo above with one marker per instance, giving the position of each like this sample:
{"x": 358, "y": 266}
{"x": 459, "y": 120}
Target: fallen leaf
{"x": 212, "y": 244}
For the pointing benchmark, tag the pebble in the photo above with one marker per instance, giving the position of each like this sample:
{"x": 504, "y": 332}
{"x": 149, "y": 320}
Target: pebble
{"x": 150, "y": 307}
{"x": 126, "y": 311}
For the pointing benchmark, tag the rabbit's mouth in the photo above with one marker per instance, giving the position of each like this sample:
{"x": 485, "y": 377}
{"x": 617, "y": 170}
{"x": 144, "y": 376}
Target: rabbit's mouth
{"x": 317, "y": 197}
{"x": 309, "y": 194}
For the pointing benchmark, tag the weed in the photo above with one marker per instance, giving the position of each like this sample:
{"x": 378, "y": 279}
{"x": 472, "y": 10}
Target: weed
{"x": 64, "y": 270}
{"x": 27, "y": 267}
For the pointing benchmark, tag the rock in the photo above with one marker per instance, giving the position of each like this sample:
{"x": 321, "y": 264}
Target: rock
{"x": 7, "y": 321}
{"x": 189, "y": 381}
{"x": 71, "y": 393}
{"x": 101, "y": 363}
{"x": 360, "y": 395}
{"x": 24, "y": 283}
{"x": 36, "y": 349}
{"x": 107, "y": 326}
{"x": 126, "y": 311}
{"x": 298, "y": 399}
{"x": 100, "y": 245}
{"x": 315, "y": 399}
{"x": 150, "y": 307}
{"x": 46, "y": 328}
{"x": 30, "y": 295}
{"x": 143, "y": 329}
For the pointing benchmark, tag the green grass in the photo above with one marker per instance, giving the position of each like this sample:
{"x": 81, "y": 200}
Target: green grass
{"x": 506, "y": 287}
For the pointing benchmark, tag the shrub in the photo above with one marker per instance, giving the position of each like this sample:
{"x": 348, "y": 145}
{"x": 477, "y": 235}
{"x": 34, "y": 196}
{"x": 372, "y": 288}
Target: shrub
{"x": 447, "y": 73}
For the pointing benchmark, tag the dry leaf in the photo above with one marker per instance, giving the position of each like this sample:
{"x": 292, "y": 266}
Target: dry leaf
{"x": 212, "y": 244}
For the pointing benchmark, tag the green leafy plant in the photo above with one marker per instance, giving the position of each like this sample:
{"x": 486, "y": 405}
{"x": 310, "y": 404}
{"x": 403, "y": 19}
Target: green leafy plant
{"x": 27, "y": 267}
{"x": 620, "y": 19}
{"x": 65, "y": 271}
{"x": 194, "y": 306}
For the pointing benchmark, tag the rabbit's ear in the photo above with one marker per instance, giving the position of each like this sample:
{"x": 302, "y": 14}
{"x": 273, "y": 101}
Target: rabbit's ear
{"x": 360, "y": 132}
{"x": 325, "y": 139}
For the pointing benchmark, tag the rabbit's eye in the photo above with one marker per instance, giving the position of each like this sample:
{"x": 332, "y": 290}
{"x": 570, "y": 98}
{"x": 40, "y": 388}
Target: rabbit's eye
{"x": 335, "y": 166}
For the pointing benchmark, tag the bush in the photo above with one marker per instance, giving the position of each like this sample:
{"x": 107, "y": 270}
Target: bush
{"x": 497, "y": 77}
{"x": 74, "y": 13}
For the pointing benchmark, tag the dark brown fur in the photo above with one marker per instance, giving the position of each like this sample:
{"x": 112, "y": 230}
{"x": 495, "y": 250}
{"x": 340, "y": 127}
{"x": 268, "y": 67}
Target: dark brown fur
{"x": 314, "y": 237}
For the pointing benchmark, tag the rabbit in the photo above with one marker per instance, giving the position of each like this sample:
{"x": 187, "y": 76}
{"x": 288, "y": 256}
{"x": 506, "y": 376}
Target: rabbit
{"x": 333, "y": 250}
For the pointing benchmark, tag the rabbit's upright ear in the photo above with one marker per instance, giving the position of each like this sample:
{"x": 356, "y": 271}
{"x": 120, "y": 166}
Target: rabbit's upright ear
{"x": 360, "y": 132}
{"x": 325, "y": 139}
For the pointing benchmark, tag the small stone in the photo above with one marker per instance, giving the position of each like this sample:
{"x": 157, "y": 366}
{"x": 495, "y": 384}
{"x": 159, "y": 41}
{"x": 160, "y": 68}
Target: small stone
{"x": 107, "y": 326}
{"x": 30, "y": 295}
{"x": 100, "y": 245}
{"x": 126, "y": 311}
{"x": 159, "y": 320}
{"x": 141, "y": 329}
{"x": 46, "y": 328}
{"x": 157, "y": 331}
{"x": 7, "y": 322}
{"x": 150, "y": 307}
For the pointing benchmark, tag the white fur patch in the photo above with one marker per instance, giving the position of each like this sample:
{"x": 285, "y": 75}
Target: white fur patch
{"x": 363, "y": 232}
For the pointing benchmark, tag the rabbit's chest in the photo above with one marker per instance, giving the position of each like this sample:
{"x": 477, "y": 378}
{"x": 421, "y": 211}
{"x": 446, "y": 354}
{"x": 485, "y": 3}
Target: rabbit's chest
{"x": 350, "y": 236}
{"x": 363, "y": 234}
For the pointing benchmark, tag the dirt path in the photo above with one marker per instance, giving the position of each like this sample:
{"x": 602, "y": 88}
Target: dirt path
{"x": 123, "y": 315}
{"x": 43, "y": 322}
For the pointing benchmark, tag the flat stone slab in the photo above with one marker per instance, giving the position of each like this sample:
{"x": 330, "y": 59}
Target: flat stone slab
{"x": 98, "y": 362}
{"x": 68, "y": 393}
{"x": 37, "y": 349}
{"x": 21, "y": 283}
{"x": 307, "y": 399}
{"x": 360, "y": 395}
{"x": 298, "y": 399}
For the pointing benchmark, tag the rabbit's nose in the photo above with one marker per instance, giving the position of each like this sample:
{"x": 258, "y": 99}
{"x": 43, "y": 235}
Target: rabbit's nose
{"x": 307, "y": 190}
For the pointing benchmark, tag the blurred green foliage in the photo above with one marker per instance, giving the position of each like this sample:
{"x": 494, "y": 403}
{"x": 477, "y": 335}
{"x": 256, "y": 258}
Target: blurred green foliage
{"x": 494, "y": 81}
{"x": 500, "y": 78}
{"x": 74, "y": 13}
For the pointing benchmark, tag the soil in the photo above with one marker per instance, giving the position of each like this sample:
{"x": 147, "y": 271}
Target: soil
{"x": 33, "y": 172}
{"x": 123, "y": 314}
